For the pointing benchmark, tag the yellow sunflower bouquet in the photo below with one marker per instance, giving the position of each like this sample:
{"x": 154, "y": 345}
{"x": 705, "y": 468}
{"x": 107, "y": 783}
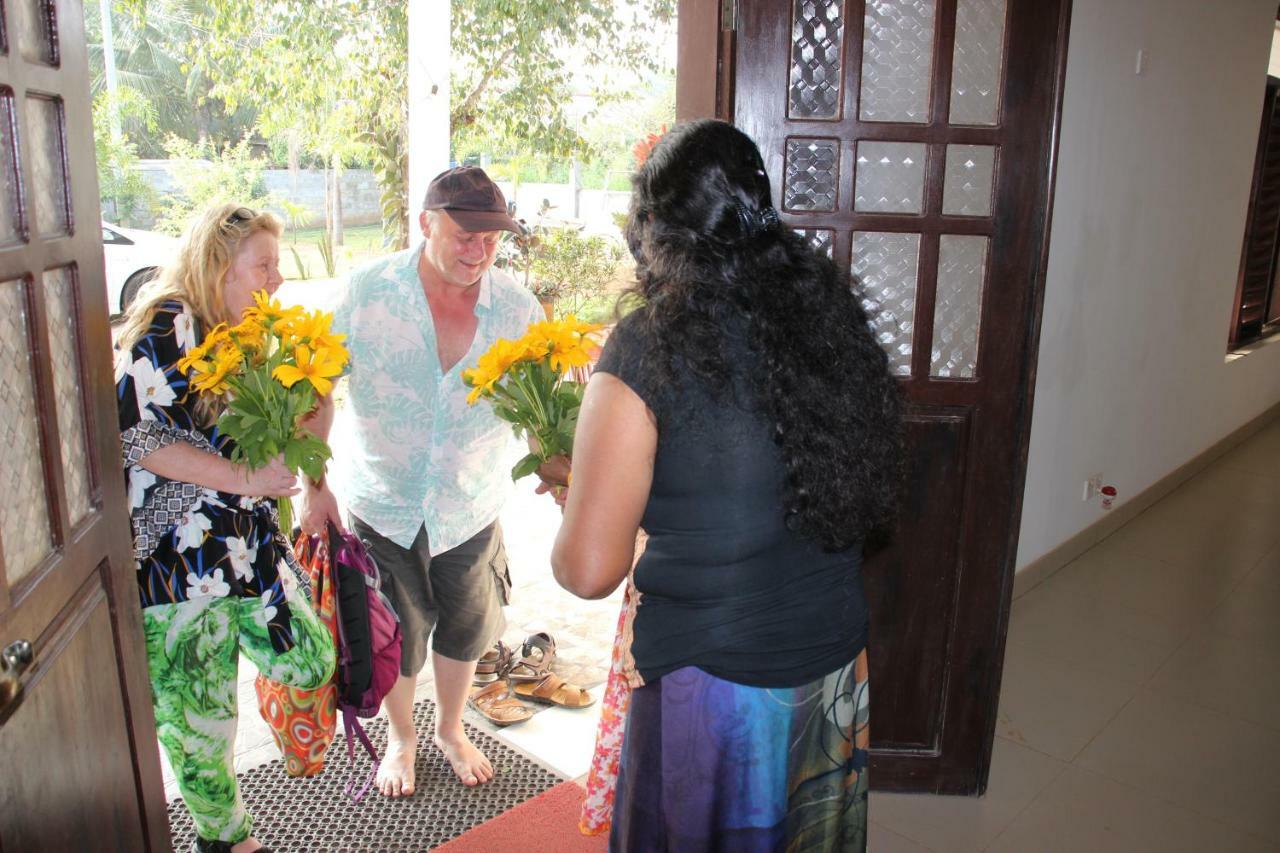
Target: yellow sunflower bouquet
{"x": 526, "y": 382}
{"x": 270, "y": 370}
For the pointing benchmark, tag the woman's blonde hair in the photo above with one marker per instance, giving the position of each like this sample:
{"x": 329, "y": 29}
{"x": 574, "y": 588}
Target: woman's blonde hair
{"x": 196, "y": 275}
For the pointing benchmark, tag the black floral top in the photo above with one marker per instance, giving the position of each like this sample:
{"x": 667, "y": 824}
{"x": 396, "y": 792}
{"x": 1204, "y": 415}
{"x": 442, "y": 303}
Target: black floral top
{"x": 190, "y": 542}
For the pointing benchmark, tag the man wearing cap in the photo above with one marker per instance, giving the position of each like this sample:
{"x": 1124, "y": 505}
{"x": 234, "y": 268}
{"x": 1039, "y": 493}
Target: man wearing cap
{"x": 425, "y": 479}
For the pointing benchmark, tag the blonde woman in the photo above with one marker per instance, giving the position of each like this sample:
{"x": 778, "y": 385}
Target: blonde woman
{"x": 205, "y": 531}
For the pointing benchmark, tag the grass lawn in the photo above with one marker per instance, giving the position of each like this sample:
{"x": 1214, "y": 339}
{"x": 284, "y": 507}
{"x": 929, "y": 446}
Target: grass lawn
{"x": 360, "y": 243}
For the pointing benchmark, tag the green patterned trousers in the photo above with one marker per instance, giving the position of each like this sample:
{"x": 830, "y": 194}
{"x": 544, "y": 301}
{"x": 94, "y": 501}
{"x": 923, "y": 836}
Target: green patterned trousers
{"x": 193, "y": 651}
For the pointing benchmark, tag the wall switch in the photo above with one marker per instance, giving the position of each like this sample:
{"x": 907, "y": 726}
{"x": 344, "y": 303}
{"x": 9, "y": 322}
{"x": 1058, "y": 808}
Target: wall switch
{"x": 1092, "y": 486}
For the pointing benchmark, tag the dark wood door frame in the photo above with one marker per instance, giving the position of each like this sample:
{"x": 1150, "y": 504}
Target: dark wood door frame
{"x": 78, "y": 606}
{"x": 706, "y": 81}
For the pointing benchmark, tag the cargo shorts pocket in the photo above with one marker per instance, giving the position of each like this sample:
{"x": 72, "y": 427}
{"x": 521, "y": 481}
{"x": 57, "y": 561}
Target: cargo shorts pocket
{"x": 501, "y": 574}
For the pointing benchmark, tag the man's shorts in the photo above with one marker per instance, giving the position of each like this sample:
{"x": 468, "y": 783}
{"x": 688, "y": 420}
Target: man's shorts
{"x": 457, "y": 595}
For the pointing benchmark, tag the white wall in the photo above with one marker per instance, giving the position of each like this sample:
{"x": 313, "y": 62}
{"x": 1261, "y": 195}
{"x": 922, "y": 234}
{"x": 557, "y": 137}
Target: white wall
{"x": 1152, "y": 189}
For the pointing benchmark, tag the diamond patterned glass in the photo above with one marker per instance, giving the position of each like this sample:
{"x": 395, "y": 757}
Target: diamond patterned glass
{"x": 812, "y": 174}
{"x": 957, "y": 313}
{"x": 897, "y": 60}
{"x": 817, "y": 42}
{"x": 977, "y": 61}
{"x": 60, "y": 308}
{"x": 886, "y": 266}
{"x": 10, "y": 221}
{"x": 34, "y": 30}
{"x": 889, "y": 177}
{"x": 966, "y": 190}
{"x": 48, "y": 165}
{"x": 820, "y": 238}
{"x": 24, "y": 507}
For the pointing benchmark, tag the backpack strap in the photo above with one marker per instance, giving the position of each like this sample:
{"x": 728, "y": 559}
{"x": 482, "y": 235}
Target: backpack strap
{"x": 352, "y": 726}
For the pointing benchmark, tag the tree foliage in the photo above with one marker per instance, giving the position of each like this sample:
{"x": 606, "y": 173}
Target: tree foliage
{"x": 206, "y": 176}
{"x": 519, "y": 63}
{"x": 125, "y": 195}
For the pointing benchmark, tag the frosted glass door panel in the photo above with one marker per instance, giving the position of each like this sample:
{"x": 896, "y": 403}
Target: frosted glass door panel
{"x": 60, "y": 308}
{"x": 957, "y": 312}
{"x": 48, "y": 164}
{"x": 24, "y": 506}
{"x": 812, "y": 174}
{"x": 886, "y": 270}
{"x": 970, "y": 172}
{"x": 977, "y": 62}
{"x": 889, "y": 177}
{"x": 10, "y": 217}
{"x": 817, "y": 42}
{"x": 897, "y": 60}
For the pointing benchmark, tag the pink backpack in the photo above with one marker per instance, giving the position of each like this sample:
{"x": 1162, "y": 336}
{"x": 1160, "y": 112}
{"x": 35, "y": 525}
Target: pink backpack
{"x": 368, "y": 643}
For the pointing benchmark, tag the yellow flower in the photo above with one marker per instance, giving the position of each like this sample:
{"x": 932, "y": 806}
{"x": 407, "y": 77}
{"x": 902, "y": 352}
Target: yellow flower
{"x": 565, "y": 341}
{"x": 211, "y": 376}
{"x": 493, "y": 365}
{"x": 216, "y": 336}
{"x": 318, "y": 369}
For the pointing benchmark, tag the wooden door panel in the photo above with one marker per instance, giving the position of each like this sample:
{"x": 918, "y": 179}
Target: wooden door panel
{"x": 911, "y": 602}
{"x": 77, "y": 738}
{"x": 72, "y": 716}
{"x": 912, "y": 141}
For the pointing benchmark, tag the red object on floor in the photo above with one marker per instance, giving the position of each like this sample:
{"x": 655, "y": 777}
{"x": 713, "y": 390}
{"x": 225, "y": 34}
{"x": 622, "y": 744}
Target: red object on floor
{"x": 546, "y": 824}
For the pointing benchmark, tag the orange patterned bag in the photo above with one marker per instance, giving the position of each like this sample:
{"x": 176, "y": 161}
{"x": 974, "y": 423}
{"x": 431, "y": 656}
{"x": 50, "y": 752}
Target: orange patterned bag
{"x": 304, "y": 722}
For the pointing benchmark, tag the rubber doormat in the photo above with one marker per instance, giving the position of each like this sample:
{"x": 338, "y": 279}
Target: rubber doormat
{"x": 298, "y": 815}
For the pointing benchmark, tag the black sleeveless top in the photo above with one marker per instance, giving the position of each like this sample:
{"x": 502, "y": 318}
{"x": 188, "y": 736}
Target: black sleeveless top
{"x": 724, "y": 584}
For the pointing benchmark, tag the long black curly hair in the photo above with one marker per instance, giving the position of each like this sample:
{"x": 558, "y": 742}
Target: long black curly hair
{"x": 709, "y": 248}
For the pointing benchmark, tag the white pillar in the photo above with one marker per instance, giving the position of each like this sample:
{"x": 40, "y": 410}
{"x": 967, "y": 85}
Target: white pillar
{"x": 429, "y": 47}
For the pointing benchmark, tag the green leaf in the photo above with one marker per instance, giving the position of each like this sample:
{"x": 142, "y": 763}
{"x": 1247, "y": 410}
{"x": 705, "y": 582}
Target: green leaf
{"x": 525, "y": 467}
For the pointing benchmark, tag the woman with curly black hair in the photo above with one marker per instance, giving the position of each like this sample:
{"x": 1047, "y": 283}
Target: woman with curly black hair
{"x": 745, "y": 418}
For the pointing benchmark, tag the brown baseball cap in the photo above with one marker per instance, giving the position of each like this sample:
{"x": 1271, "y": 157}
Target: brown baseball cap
{"x": 474, "y": 201}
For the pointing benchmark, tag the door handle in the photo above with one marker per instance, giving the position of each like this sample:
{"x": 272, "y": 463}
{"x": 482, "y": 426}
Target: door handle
{"x": 14, "y": 661}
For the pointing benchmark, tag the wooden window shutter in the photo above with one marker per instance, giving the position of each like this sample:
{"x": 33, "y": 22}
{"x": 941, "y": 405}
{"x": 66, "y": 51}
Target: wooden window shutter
{"x": 1258, "y": 270}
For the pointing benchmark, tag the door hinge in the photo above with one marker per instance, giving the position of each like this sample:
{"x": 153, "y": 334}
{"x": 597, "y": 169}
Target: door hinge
{"x": 728, "y": 15}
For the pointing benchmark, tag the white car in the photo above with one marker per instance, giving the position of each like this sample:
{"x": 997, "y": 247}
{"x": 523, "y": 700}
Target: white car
{"x": 132, "y": 259}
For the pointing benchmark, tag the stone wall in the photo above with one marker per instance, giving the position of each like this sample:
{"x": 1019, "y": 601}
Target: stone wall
{"x": 361, "y": 203}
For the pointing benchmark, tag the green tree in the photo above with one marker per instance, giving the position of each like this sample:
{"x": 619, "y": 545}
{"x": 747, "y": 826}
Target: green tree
{"x": 125, "y": 195}
{"x": 519, "y": 64}
{"x": 331, "y": 74}
{"x": 206, "y": 176}
{"x": 151, "y": 41}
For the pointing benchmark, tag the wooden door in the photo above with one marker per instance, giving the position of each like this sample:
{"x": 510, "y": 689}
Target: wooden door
{"x": 79, "y": 766}
{"x": 913, "y": 141}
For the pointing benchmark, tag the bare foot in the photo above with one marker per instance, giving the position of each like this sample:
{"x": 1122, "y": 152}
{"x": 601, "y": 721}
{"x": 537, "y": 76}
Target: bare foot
{"x": 395, "y": 773}
{"x": 469, "y": 763}
{"x": 249, "y": 845}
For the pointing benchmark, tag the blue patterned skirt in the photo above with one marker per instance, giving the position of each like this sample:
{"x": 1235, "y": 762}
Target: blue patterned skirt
{"x": 709, "y": 765}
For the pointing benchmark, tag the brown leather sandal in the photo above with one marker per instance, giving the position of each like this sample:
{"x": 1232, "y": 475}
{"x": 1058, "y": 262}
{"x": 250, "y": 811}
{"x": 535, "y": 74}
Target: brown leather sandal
{"x": 536, "y": 656}
{"x": 493, "y": 664}
{"x": 497, "y": 706}
{"x": 554, "y": 690}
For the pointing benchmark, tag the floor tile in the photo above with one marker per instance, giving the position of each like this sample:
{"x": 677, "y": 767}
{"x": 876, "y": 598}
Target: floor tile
{"x": 947, "y": 824}
{"x": 1054, "y": 705}
{"x": 880, "y": 839}
{"x": 1252, "y": 611}
{"x": 559, "y": 737}
{"x": 1109, "y": 633}
{"x": 1080, "y": 811}
{"x": 1236, "y": 676}
{"x": 1231, "y": 545}
{"x": 1258, "y": 454}
{"x": 1140, "y": 596}
{"x": 1201, "y": 760}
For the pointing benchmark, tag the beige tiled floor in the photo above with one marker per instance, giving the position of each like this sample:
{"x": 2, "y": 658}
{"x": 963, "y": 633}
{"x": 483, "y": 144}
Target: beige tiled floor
{"x": 1140, "y": 708}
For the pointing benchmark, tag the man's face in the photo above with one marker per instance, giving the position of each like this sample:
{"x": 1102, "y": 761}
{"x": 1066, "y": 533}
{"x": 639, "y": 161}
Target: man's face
{"x": 460, "y": 257}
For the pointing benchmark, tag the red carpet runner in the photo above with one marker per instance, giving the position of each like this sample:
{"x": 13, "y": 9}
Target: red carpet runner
{"x": 546, "y": 824}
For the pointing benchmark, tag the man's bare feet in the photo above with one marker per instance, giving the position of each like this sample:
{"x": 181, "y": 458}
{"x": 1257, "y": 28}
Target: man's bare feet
{"x": 395, "y": 773}
{"x": 469, "y": 763}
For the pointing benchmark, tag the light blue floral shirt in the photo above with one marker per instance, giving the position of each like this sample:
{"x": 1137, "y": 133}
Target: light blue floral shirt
{"x": 419, "y": 455}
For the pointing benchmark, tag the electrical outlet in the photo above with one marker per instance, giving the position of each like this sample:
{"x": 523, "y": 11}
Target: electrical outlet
{"x": 1092, "y": 486}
